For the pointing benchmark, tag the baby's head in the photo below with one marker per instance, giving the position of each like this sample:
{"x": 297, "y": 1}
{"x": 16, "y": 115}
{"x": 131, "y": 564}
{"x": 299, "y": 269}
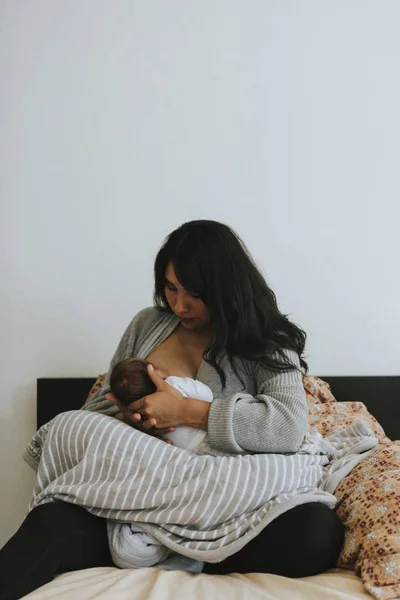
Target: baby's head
{"x": 130, "y": 380}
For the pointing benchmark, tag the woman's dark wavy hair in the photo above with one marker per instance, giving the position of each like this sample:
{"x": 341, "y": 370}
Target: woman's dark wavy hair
{"x": 210, "y": 259}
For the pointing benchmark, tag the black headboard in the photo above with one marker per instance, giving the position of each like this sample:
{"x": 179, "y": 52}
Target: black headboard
{"x": 381, "y": 395}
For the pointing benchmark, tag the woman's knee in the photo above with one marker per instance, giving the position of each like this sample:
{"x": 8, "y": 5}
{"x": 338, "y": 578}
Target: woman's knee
{"x": 319, "y": 535}
{"x": 323, "y": 523}
{"x": 75, "y": 537}
{"x": 305, "y": 540}
{"x": 62, "y": 516}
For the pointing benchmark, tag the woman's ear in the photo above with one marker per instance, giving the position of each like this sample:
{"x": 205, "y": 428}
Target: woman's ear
{"x": 111, "y": 398}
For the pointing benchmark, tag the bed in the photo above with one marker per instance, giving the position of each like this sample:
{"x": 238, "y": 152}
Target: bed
{"x": 381, "y": 396}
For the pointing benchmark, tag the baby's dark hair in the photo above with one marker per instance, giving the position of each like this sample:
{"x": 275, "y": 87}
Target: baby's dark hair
{"x": 130, "y": 380}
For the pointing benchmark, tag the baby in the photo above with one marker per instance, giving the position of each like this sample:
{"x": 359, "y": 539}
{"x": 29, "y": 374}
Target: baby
{"x": 130, "y": 381}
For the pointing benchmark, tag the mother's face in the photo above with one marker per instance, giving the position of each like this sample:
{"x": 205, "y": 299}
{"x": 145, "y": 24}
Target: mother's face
{"x": 189, "y": 308}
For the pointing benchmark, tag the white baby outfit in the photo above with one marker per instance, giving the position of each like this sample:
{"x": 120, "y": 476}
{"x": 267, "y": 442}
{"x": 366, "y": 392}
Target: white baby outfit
{"x": 184, "y": 437}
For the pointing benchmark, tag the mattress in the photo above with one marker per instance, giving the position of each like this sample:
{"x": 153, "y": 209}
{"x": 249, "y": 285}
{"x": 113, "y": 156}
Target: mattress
{"x": 109, "y": 583}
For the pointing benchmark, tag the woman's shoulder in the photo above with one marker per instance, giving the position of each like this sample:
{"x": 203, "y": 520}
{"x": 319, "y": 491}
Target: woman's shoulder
{"x": 146, "y": 328}
{"x": 149, "y": 317}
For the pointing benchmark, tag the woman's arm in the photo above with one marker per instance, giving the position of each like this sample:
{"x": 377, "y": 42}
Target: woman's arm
{"x": 197, "y": 413}
{"x": 274, "y": 421}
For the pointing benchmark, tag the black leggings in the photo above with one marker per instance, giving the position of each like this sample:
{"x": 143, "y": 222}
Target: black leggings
{"x": 58, "y": 537}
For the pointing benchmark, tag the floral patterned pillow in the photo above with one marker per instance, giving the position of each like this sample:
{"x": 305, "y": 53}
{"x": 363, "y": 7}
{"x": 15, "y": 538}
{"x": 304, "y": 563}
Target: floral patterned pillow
{"x": 369, "y": 506}
{"x": 326, "y": 415}
{"x": 317, "y": 390}
{"x": 368, "y": 498}
{"x": 327, "y": 418}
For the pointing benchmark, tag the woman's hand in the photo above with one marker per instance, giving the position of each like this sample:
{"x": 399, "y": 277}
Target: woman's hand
{"x": 157, "y": 413}
{"x": 125, "y": 415}
{"x": 163, "y": 410}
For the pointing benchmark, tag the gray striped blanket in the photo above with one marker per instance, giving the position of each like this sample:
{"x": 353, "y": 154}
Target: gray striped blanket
{"x": 199, "y": 506}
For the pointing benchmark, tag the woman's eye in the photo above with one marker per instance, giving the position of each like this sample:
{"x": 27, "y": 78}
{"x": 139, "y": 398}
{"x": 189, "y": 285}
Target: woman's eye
{"x": 171, "y": 288}
{"x": 194, "y": 295}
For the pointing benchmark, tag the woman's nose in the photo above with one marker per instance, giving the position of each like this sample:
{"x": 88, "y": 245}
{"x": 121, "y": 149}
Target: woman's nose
{"x": 181, "y": 306}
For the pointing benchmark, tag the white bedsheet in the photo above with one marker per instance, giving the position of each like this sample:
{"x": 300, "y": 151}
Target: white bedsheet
{"x": 109, "y": 583}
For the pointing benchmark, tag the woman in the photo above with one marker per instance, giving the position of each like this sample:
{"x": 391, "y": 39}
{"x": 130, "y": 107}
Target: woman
{"x": 215, "y": 320}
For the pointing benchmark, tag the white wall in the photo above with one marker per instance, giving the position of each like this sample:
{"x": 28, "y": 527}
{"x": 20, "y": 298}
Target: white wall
{"x": 123, "y": 119}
